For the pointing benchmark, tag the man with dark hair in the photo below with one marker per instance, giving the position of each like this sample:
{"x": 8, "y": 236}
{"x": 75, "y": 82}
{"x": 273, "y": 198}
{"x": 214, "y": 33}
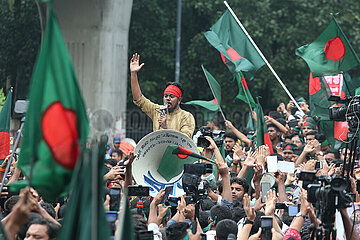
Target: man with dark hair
{"x": 177, "y": 231}
{"x": 41, "y": 228}
{"x": 168, "y": 116}
{"x": 230, "y": 140}
{"x": 217, "y": 213}
{"x": 311, "y": 135}
{"x": 224, "y": 228}
{"x": 117, "y": 155}
{"x": 239, "y": 187}
{"x": 275, "y": 134}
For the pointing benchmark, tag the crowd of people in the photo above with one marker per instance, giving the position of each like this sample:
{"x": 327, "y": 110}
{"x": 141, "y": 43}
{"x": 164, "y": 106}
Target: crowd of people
{"x": 244, "y": 197}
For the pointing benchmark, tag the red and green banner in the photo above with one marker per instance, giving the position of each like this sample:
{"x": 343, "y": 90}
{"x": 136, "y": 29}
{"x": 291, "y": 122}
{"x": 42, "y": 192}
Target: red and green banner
{"x": 5, "y": 116}
{"x": 319, "y": 92}
{"x": 56, "y": 126}
{"x": 243, "y": 86}
{"x": 262, "y": 135}
{"x": 234, "y": 46}
{"x": 331, "y": 53}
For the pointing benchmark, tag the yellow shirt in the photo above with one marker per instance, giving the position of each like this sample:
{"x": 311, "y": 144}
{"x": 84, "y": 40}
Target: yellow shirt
{"x": 179, "y": 120}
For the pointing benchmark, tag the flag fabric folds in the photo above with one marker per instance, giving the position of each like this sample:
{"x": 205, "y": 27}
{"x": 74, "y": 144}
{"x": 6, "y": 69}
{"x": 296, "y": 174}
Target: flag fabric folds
{"x": 77, "y": 222}
{"x": 173, "y": 160}
{"x": 242, "y": 94}
{"x": 208, "y": 108}
{"x": 214, "y": 85}
{"x": 262, "y": 135}
{"x": 331, "y": 53}
{"x": 234, "y": 46}
{"x": 56, "y": 126}
{"x": 5, "y": 116}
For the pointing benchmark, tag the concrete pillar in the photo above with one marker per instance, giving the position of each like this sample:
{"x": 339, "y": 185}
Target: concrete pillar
{"x": 96, "y": 34}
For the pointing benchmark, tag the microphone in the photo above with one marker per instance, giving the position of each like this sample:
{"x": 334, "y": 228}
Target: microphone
{"x": 163, "y": 109}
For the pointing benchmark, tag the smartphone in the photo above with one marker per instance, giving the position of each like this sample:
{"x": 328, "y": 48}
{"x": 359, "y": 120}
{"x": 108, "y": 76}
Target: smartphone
{"x": 293, "y": 210}
{"x": 173, "y": 201}
{"x": 142, "y": 191}
{"x": 144, "y": 235}
{"x": 266, "y": 226}
{"x": 111, "y": 217}
{"x": 114, "y": 193}
{"x": 168, "y": 190}
{"x": 265, "y": 187}
{"x": 318, "y": 165}
{"x": 281, "y": 206}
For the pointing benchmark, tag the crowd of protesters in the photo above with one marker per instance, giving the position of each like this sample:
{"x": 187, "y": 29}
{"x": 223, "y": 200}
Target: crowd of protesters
{"x": 233, "y": 207}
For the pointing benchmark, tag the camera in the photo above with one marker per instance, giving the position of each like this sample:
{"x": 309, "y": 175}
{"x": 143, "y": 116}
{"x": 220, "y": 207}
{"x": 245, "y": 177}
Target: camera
{"x": 216, "y": 135}
{"x": 192, "y": 182}
{"x": 349, "y": 111}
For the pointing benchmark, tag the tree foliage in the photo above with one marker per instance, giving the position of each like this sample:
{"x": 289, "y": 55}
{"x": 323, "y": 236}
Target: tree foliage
{"x": 278, "y": 27}
{"x": 19, "y": 43}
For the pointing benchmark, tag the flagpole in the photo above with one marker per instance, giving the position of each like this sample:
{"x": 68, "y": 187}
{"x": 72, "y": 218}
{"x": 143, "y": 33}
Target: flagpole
{"x": 212, "y": 91}
{"x": 94, "y": 183}
{"x": 263, "y": 57}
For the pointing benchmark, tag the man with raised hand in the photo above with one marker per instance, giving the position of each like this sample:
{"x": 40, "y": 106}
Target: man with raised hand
{"x": 168, "y": 116}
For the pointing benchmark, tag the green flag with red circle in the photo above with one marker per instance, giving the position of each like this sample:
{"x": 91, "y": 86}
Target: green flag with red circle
{"x": 56, "y": 126}
{"x": 331, "y": 53}
{"x": 236, "y": 50}
{"x": 262, "y": 134}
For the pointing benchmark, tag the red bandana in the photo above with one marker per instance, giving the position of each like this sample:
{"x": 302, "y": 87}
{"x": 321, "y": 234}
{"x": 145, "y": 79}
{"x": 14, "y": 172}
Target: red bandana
{"x": 174, "y": 90}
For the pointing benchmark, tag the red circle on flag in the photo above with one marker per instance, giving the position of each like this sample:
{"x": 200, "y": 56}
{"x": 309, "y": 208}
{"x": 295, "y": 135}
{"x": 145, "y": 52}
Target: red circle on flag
{"x": 59, "y": 130}
{"x": 334, "y": 49}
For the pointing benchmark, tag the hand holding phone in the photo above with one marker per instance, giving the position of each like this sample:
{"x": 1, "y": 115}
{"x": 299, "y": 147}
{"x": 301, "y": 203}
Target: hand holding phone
{"x": 168, "y": 190}
{"x": 265, "y": 187}
{"x": 266, "y": 226}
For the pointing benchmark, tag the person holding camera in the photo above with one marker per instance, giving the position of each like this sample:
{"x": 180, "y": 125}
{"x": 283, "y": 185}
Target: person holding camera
{"x": 168, "y": 116}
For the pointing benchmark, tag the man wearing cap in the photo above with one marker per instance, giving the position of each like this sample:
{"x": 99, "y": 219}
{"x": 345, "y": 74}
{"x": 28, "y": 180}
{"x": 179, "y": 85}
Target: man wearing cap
{"x": 174, "y": 117}
{"x": 116, "y": 145}
{"x": 289, "y": 152}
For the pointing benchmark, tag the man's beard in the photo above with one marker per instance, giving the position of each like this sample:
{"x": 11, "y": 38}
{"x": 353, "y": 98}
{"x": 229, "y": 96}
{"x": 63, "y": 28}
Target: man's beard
{"x": 172, "y": 108}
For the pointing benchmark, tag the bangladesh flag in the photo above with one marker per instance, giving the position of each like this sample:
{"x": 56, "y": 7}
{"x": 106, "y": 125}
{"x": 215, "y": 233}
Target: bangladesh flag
{"x": 208, "y": 108}
{"x": 331, "y": 53}
{"x": 85, "y": 210}
{"x": 235, "y": 48}
{"x": 242, "y": 95}
{"x": 262, "y": 135}
{"x": 319, "y": 91}
{"x": 173, "y": 160}
{"x": 5, "y": 116}
{"x": 56, "y": 126}
{"x": 214, "y": 85}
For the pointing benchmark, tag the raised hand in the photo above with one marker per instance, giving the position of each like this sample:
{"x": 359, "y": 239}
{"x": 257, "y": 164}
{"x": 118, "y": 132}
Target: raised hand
{"x": 134, "y": 63}
{"x": 250, "y": 211}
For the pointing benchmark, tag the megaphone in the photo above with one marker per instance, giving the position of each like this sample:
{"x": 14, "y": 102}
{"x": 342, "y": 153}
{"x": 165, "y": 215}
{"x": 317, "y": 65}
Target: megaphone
{"x": 149, "y": 152}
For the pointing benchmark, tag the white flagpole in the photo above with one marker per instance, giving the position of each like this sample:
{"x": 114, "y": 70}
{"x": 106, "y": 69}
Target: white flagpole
{"x": 217, "y": 100}
{"x": 263, "y": 57}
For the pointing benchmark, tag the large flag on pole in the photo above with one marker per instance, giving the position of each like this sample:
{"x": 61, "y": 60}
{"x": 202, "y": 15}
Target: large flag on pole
{"x": 331, "y": 53}
{"x": 234, "y": 46}
{"x": 214, "y": 85}
{"x": 5, "y": 116}
{"x": 262, "y": 135}
{"x": 56, "y": 125}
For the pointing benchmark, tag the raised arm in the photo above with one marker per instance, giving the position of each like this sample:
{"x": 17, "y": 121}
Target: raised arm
{"x": 239, "y": 134}
{"x": 134, "y": 68}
